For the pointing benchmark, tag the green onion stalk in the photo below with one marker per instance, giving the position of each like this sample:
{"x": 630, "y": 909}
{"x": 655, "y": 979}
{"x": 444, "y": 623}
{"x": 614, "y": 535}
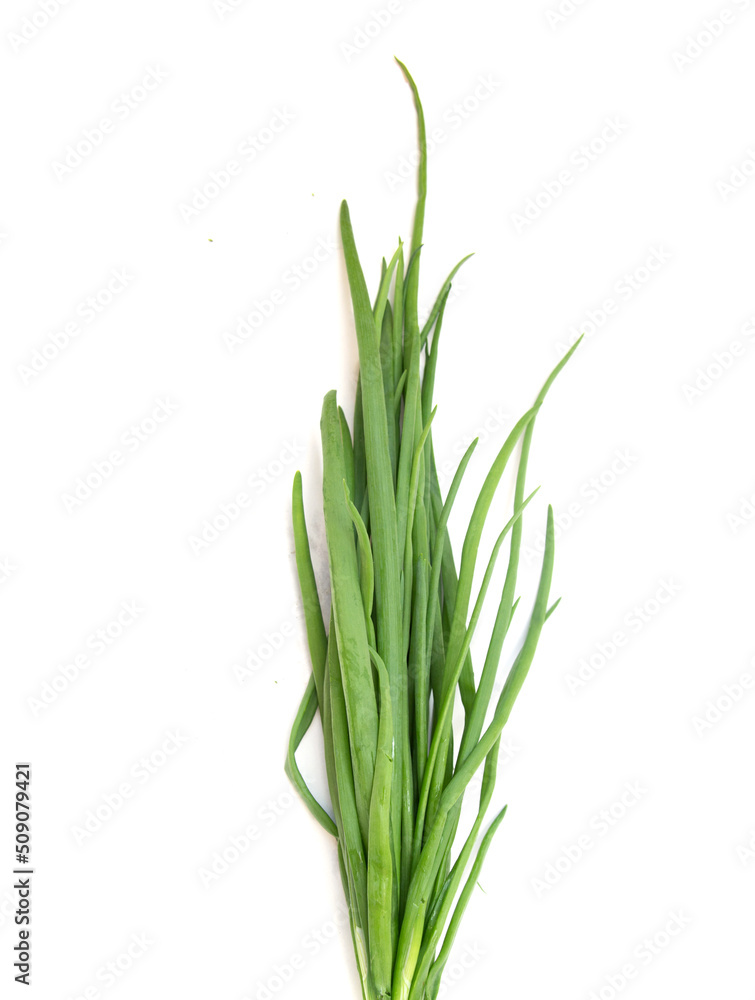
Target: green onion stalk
{"x": 397, "y": 647}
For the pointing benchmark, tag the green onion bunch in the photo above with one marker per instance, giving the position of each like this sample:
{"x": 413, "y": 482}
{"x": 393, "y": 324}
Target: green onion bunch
{"x": 386, "y": 670}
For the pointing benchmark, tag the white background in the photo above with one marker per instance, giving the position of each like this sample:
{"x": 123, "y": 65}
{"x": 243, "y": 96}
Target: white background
{"x": 244, "y": 418}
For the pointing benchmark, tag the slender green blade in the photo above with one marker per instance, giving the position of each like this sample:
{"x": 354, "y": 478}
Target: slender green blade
{"x": 350, "y": 834}
{"x": 366, "y": 565}
{"x": 440, "y": 302}
{"x": 438, "y": 914}
{"x": 350, "y": 628}
{"x": 464, "y": 591}
{"x": 379, "y": 855}
{"x": 304, "y": 718}
{"x": 433, "y": 981}
{"x": 316, "y": 637}
{"x": 440, "y": 741}
{"x": 432, "y": 854}
{"x": 382, "y": 503}
{"x": 348, "y": 450}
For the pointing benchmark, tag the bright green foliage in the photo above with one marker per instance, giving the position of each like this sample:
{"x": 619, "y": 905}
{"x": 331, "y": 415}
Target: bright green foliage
{"x": 386, "y": 673}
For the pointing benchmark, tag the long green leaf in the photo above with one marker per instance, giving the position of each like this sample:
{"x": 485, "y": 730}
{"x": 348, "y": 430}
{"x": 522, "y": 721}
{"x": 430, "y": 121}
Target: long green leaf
{"x": 382, "y": 503}
{"x": 351, "y": 632}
